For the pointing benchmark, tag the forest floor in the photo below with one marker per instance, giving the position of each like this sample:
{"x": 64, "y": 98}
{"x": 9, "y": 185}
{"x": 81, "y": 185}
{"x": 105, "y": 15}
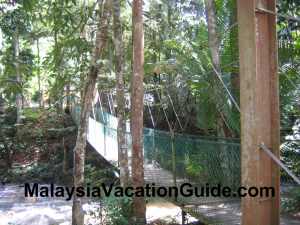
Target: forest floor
{"x": 35, "y": 152}
{"x": 17, "y": 209}
{"x": 40, "y": 151}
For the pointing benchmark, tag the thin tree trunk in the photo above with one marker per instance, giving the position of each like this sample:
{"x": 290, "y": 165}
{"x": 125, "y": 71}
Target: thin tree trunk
{"x": 137, "y": 102}
{"x": 222, "y": 128}
{"x": 212, "y": 33}
{"x": 213, "y": 43}
{"x": 119, "y": 51}
{"x": 68, "y": 98}
{"x": 39, "y": 74}
{"x": 86, "y": 104}
{"x": 65, "y": 160}
{"x": 234, "y": 52}
{"x": 19, "y": 101}
{"x": 57, "y": 96}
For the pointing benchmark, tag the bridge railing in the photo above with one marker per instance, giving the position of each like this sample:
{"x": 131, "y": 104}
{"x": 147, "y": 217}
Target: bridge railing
{"x": 200, "y": 160}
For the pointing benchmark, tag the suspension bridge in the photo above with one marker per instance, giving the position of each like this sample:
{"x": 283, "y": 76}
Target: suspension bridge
{"x": 173, "y": 159}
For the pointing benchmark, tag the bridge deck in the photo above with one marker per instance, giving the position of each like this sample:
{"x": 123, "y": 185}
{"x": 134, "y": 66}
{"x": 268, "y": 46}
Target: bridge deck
{"x": 210, "y": 210}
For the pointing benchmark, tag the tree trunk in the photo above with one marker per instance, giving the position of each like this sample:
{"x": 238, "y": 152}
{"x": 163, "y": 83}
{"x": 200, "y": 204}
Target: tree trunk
{"x": 68, "y": 98}
{"x": 57, "y": 71}
{"x": 65, "y": 160}
{"x": 86, "y": 104}
{"x": 19, "y": 101}
{"x": 137, "y": 102}
{"x": 119, "y": 48}
{"x": 222, "y": 129}
{"x": 212, "y": 33}
{"x": 213, "y": 43}
{"x": 39, "y": 74}
{"x": 234, "y": 52}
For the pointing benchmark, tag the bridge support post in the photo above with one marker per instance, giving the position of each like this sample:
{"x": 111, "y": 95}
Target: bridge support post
{"x": 173, "y": 160}
{"x": 259, "y": 108}
{"x": 183, "y": 215}
{"x": 104, "y": 138}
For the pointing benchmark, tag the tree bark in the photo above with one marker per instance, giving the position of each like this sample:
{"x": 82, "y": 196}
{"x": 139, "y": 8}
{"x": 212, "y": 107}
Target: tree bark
{"x": 137, "y": 102}
{"x": 222, "y": 129}
{"x": 212, "y": 33}
{"x": 119, "y": 51}
{"x": 39, "y": 74}
{"x": 234, "y": 52}
{"x": 19, "y": 101}
{"x": 68, "y": 98}
{"x": 65, "y": 160}
{"x": 59, "y": 70}
{"x": 213, "y": 43}
{"x": 86, "y": 104}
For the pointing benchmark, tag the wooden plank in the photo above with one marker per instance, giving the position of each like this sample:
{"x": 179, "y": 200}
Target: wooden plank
{"x": 259, "y": 107}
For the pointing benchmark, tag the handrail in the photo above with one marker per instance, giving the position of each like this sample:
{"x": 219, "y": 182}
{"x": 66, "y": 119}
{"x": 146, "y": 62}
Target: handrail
{"x": 279, "y": 163}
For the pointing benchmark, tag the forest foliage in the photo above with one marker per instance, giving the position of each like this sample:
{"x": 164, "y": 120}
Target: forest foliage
{"x": 55, "y": 40}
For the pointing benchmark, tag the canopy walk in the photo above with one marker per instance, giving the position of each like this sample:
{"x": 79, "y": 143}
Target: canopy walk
{"x": 172, "y": 160}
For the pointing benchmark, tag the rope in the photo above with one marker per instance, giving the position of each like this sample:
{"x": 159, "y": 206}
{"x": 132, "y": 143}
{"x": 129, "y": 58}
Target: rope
{"x": 170, "y": 127}
{"x": 104, "y": 123}
{"x": 173, "y": 83}
{"x": 231, "y": 27}
{"x": 191, "y": 79}
{"x": 174, "y": 110}
{"x": 110, "y": 109}
{"x": 279, "y": 163}
{"x": 101, "y": 109}
{"x": 227, "y": 90}
{"x": 268, "y": 151}
{"x": 112, "y": 102}
{"x": 262, "y": 145}
{"x": 93, "y": 111}
{"x": 290, "y": 81}
{"x": 287, "y": 17}
{"x": 152, "y": 120}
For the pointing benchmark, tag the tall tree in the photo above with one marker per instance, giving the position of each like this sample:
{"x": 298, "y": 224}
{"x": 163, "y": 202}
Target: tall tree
{"x": 19, "y": 101}
{"x": 86, "y": 104}
{"x": 119, "y": 46}
{"x": 15, "y": 27}
{"x": 137, "y": 106}
{"x": 213, "y": 43}
{"x": 41, "y": 102}
{"x": 234, "y": 53}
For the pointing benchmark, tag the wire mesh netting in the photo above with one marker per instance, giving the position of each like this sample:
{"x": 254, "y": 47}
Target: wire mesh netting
{"x": 173, "y": 159}
{"x": 188, "y": 157}
{"x": 199, "y": 160}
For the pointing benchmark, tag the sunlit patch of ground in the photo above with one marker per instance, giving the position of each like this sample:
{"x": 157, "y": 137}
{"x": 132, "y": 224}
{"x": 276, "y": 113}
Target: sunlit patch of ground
{"x": 16, "y": 209}
{"x": 165, "y": 211}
